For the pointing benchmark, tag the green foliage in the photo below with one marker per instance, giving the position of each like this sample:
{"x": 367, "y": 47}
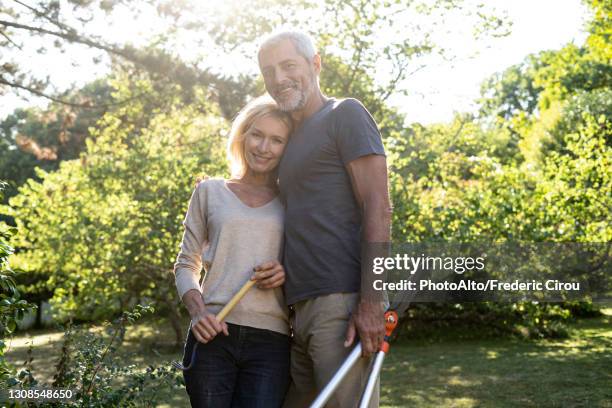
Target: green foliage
{"x": 90, "y": 366}
{"x": 461, "y": 191}
{"x": 490, "y": 319}
{"x": 105, "y": 228}
{"x": 12, "y": 308}
{"x": 541, "y": 100}
{"x": 102, "y": 229}
{"x": 534, "y": 167}
{"x": 511, "y": 92}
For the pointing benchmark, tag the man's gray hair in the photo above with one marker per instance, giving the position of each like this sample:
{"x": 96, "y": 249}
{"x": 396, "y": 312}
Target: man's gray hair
{"x": 302, "y": 42}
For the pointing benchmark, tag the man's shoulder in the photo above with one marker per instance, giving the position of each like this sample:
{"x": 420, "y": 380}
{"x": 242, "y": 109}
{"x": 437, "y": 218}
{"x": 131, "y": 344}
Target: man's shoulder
{"x": 342, "y": 105}
{"x": 349, "y": 110}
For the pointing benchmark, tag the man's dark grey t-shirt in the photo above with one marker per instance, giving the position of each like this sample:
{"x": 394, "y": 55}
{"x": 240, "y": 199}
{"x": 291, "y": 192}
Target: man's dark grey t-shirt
{"x": 322, "y": 219}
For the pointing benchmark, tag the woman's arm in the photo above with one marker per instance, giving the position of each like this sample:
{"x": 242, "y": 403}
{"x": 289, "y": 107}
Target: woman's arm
{"x": 188, "y": 266}
{"x": 204, "y": 324}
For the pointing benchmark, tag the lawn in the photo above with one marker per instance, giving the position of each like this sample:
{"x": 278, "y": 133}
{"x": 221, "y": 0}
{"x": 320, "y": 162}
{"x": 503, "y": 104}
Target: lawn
{"x": 574, "y": 372}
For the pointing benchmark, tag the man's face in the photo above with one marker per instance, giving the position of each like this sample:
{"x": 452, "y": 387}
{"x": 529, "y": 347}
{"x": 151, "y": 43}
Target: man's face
{"x": 290, "y": 79}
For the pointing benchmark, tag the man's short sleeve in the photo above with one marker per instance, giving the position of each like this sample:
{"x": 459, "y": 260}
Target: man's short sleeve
{"x": 356, "y": 132}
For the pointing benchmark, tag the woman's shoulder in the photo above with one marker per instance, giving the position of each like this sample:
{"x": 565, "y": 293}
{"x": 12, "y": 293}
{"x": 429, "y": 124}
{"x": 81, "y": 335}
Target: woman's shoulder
{"x": 210, "y": 187}
{"x": 210, "y": 183}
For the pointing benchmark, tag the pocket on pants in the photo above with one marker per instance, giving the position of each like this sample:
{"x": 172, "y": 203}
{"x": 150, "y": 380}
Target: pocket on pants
{"x": 346, "y": 302}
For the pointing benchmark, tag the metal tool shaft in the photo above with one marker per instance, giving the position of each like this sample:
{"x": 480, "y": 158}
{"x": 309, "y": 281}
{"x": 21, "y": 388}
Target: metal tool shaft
{"x": 329, "y": 389}
{"x": 369, "y": 390}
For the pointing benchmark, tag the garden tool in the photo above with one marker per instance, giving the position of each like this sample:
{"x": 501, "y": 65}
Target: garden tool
{"x": 391, "y": 319}
{"x": 396, "y": 309}
{"x": 220, "y": 316}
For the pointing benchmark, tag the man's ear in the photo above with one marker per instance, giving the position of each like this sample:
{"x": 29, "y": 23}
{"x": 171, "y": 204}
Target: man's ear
{"x": 316, "y": 61}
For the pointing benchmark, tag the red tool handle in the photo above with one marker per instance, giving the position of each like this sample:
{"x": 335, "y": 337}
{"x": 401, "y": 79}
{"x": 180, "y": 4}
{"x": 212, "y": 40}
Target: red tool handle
{"x": 390, "y": 325}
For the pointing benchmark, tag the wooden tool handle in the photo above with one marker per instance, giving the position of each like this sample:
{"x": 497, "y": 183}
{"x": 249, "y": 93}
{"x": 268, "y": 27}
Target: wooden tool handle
{"x": 234, "y": 300}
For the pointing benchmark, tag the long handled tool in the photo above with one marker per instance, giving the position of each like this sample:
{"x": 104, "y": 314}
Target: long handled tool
{"x": 397, "y": 309}
{"x": 220, "y": 316}
{"x": 390, "y": 324}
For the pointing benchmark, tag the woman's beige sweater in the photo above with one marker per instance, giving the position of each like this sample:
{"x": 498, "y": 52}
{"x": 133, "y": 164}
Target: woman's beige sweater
{"x": 229, "y": 239}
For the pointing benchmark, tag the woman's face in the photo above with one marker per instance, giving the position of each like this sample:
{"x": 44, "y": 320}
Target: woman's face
{"x": 264, "y": 143}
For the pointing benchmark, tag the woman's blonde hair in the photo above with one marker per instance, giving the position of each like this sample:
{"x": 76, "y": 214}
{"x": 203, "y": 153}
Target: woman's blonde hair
{"x": 257, "y": 108}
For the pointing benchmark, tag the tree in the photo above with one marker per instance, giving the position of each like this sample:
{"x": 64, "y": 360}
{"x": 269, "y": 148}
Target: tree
{"x": 105, "y": 228}
{"x": 368, "y": 50}
{"x": 535, "y": 100}
{"x": 533, "y": 166}
{"x": 34, "y": 137}
{"x": 224, "y": 28}
{"x": 63, "y": 26}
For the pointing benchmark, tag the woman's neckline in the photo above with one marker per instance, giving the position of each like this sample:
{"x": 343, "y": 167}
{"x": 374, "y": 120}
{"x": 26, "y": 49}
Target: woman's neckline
{"x": 227, "y": 187}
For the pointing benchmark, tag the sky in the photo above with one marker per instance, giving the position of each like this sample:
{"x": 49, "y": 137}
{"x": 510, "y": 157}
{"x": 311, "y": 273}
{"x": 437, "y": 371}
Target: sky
{"x": 444, "y": 88}
{"x": 436, "y": 92}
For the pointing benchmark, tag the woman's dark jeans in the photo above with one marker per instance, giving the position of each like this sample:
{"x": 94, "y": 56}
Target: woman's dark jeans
{"x": 249, "y": 368}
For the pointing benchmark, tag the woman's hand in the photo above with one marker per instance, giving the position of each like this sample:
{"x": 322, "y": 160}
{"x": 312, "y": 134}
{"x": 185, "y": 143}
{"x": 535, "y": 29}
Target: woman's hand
{"x": 269, "y": 275}
{"x": 204, "y": 325}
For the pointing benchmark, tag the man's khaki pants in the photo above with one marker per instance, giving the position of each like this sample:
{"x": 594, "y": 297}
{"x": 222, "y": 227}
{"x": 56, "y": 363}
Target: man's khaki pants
{"x": 317, "y": 351}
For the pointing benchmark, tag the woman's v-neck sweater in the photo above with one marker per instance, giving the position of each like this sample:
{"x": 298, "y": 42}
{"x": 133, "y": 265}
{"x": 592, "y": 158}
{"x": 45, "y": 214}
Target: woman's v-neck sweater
{"x": 229, "y": 238}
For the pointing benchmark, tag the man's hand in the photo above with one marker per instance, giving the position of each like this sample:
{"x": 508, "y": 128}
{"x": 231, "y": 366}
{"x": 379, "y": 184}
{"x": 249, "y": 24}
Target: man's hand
{"x": 369, "y": 322}
{"x": 269, "y": 275}
{"x": 204, "y": 325}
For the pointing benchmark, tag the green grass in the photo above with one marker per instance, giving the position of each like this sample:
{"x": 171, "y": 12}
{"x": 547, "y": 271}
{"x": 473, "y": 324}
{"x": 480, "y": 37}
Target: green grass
{"x": 574, "y": 372}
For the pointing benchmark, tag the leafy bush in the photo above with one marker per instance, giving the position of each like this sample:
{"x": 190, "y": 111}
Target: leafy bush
{"x": 12, "y": 307}
{"x": 90, "y": 365}
{"x": 489, "y": 319}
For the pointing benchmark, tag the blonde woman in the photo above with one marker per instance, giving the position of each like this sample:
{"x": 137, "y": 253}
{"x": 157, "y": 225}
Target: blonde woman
{"x": 234, "y": 228}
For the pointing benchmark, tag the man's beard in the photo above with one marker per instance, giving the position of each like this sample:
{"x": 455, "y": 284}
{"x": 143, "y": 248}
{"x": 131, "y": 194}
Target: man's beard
{"x": 296, "y": 102}
{"x": 298, "y": 99}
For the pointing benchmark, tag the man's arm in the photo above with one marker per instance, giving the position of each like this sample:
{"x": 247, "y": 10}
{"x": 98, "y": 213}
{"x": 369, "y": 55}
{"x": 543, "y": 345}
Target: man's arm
{"x": 370, "y": 185}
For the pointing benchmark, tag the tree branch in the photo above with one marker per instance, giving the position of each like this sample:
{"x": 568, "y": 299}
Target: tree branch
{"x": 400, "y": 75}
{"x": 357, "y": 55}
{"x": 72, "y": 36}
{"x": 65, "y": 102}
{"x": 2, "y": 33}
{"x": 159, "y": 63}
{"x": 45, "y": 16}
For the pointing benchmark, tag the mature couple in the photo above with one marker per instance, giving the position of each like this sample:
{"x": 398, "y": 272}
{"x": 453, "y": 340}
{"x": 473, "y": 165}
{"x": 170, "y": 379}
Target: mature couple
{"x": 308, "y": 188}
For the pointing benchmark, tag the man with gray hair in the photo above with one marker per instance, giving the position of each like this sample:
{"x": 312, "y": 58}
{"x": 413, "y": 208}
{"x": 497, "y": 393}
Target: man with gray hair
{"x": 333, "y": 181}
